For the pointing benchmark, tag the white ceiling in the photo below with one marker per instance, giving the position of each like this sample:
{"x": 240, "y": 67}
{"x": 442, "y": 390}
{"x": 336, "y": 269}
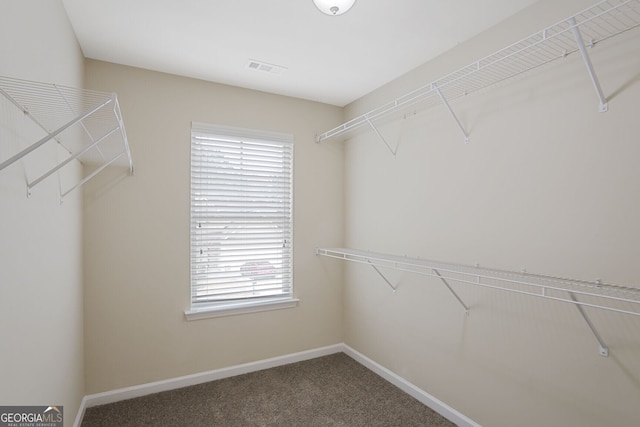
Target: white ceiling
{"x": 330, "y": 59}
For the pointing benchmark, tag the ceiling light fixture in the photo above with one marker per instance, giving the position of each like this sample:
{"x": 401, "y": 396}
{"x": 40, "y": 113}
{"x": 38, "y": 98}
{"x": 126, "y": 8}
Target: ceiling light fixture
{"x": 334, "y": 7}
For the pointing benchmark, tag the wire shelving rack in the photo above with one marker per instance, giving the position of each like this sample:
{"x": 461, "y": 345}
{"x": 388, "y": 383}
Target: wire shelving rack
{"x": 87, "y": 124}
{"x": 579, "y": 293}
{"x": 587, "y": 28}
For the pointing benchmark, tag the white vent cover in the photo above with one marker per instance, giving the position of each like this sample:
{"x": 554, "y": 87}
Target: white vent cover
{"x": 264, "y": 67}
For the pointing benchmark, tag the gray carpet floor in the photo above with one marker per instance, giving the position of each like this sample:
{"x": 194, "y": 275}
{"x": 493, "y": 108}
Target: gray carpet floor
{"x": 333, "y": 390}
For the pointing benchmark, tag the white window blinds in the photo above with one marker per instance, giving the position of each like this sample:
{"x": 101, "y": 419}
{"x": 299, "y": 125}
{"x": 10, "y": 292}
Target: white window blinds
{"x": 241, "y": 216}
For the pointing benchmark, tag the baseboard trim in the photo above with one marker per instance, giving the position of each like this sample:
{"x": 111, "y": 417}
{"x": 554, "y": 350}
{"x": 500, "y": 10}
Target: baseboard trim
{"x": 422, "y": 396}
{"x": 218, "y": 374}
{"x": 203, "y": 377}
{"x": 80, "y": 414}
{"x": 199, "y": 378}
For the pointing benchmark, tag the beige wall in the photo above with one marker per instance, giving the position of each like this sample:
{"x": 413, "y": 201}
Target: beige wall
{"x": 41, "y": 326}
{"x": 546, "y": 183}
{"x": 137, "y": 235}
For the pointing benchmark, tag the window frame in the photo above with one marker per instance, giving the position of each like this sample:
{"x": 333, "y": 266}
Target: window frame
{"x": 241, "y": 305}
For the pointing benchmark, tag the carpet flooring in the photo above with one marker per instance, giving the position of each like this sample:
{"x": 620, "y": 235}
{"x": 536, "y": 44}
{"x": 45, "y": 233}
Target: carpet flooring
{"x": 333, "y": 390}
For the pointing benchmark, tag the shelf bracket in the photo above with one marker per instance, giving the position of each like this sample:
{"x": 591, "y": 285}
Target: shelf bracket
{"x": 68, "y": 160}
{"x": 91, "y": 175}
{"x": 375, "y": 129}
{"x": 466, "y": 309}
{"x": 453, "y": 114}
{"x": 587, "y": 61}
{"x": 604, "y": 350}
{"x": 52, "y": 135}
{"x": 383, "y": 276}
{"x": 123, "y": 133}
{"x": 33, "y": 119}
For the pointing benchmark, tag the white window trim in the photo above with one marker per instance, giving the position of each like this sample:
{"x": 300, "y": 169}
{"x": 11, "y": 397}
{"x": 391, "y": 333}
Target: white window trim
{"x": 241, "y": 307}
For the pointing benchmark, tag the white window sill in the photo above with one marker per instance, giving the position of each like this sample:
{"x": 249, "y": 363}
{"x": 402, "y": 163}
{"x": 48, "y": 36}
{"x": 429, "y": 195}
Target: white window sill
{"x": 239, "y": 308}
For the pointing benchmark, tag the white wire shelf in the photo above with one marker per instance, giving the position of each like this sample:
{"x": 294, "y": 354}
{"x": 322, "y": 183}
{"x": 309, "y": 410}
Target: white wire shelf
{"x": 579, "y": 293}
{"x": 87, "y": 124}
{"x": 600, "y": 22}
{"x": 617, "y": 298}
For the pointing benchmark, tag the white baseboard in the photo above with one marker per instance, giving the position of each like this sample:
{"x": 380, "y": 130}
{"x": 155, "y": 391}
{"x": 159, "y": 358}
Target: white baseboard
{"x": 422, "y": 396}
{"x": 80, "y": 414}
{"x": 203, "y": 377}
{"x": 199, "y": 378}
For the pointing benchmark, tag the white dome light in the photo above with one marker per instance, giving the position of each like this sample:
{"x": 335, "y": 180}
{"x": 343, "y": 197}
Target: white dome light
{"x": 334, "y": 7}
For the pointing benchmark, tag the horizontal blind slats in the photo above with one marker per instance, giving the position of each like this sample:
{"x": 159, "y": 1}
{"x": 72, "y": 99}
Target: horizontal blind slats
{"x": 241, "y": 191}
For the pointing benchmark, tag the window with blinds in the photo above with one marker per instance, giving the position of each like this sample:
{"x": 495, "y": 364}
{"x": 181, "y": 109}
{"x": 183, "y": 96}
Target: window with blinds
{"x": 241, "y": 216}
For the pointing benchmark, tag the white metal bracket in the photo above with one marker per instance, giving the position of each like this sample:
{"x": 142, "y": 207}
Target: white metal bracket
{"x": 587, "y": 61}
{"x": 383, "y": 276}
{"x": 51, "y": 135}
{"x": 453, "y": 114}
{"x": 466, "y": 309}
{"x": 604, "y": 350}
{"x": 68, "y": 160}
{"x": 26, "y": 112}
{"x": 375, "y": 129}
{"x": 94, "y": 173}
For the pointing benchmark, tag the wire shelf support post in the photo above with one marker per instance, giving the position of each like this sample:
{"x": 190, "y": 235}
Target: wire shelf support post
{"x": 384, "y": 141}
{"x": 395, "y": 288}
{"x": 587, "y": 62}
{"x": 466, "y": 308}
{"x": 50, "y": 136}
{"x": 453, "y": 113}
{"x": 604, "y": 350}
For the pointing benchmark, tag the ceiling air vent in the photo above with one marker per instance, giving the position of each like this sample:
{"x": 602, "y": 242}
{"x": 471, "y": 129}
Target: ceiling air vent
{"x": 264, "y": 67}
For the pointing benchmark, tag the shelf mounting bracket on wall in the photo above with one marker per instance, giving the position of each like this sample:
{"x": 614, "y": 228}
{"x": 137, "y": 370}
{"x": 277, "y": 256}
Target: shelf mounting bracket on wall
{"x": 453, "y": 113}
{"x": 62, "y": 164}
{"x": 50, "y": 136}
{"x": 604, "y": 350}
{"x": 587, "y": 61}
{"x": 384, "y": 141}
{"x": 395, "y": 288}
{"x": 466, "y": 309}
